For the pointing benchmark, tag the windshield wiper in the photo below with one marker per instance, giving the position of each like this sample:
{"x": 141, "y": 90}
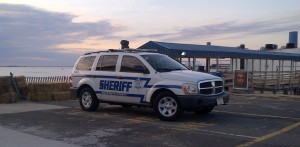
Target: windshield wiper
{"x": 164, "y": 69}
{"x": 168, "y": 69}
{"x": 178, "y": 69}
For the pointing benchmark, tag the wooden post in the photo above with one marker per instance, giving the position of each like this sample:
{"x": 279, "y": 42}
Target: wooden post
{"x": 252, "y": 72}
{"x": 295, "y": 65}
{"x": 282, "y": 73}
{"x": 217, "y": 64}
{"x": 252, "y": 65}
{"x": 272, "y": 69}
{"x": 266, "y": 72}
{"x": 246, "y": 65}
{"x": 15, "y": 86}
{"x": 194, "y": 63}
{"x": 278, "y": 75}
{"x": 290, "y": 81}
{"x": 236, "y": 62}
{"x": 231, "y": 64}
{"x": 260, "y": 68}
{"x": 207, "y": 64}
{"x": 189, "y": 60}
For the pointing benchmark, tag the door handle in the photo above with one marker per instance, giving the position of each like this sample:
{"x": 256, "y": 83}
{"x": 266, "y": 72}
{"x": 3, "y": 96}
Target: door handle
{"x": 120, "y": 77}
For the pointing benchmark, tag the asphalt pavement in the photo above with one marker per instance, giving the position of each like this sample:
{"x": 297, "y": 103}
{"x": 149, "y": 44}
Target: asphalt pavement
{"x": 247, "y": 120}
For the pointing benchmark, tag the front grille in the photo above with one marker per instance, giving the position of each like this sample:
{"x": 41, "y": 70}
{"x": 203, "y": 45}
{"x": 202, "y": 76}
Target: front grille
{"x": 211, "y": 87}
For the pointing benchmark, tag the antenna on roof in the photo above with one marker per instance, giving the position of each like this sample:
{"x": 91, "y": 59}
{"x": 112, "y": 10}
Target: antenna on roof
{"x": 124, "y": 44}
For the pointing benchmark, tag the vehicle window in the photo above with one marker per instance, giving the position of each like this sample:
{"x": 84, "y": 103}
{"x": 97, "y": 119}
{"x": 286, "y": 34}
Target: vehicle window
{"x": 85, "y": 63}
{"x": 163, "y": 63}
{"x": 132, "y": 64}
{"x": 107, "y": 63}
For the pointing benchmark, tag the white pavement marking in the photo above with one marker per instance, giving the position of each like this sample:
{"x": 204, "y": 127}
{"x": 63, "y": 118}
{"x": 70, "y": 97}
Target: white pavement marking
{"x": 12, "y": 138}
{"x": 26, "y": 107}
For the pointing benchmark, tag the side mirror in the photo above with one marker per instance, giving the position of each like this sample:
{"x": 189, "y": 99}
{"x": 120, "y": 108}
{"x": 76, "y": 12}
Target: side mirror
{"x": 141, "y": 69}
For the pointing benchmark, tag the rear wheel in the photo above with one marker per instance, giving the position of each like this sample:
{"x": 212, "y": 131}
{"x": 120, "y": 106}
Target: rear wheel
{"x": 167, "y": 107}
{"x": 204, "y": 110}
{"x": 88, "y": 100}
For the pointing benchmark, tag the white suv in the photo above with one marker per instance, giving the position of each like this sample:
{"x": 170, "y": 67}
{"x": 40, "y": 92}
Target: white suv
{"x": 137, "y": 77}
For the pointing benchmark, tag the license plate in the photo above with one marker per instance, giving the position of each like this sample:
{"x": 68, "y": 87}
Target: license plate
{"x": 220, "y": 101}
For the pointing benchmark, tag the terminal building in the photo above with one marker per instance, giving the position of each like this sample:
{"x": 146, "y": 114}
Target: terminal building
{"x": 269, "y": 67}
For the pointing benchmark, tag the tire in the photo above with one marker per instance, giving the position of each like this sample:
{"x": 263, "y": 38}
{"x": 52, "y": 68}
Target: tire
{"x": 167, "y": 107}
{"x": 204, "y": 110}
{"x": 88, "y": 99}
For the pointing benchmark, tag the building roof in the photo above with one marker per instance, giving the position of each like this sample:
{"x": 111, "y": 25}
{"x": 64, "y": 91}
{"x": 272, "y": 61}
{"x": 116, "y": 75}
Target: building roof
{"x": 210, "y": 51}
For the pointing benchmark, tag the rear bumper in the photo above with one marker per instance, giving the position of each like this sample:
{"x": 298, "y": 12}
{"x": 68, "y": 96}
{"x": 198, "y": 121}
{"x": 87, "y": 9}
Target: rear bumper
{"x": 188, "y": 102}
{"x": 73, "y": 92}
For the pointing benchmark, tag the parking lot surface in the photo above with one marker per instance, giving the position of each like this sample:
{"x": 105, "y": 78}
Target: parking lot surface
{"x": 245, "y": 121}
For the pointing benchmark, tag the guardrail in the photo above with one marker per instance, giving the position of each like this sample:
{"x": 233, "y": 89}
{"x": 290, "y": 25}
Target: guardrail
{"x": 54, "y": 79}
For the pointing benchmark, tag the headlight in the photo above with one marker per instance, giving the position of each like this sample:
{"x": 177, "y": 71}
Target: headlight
{"x": 190, "y": 89}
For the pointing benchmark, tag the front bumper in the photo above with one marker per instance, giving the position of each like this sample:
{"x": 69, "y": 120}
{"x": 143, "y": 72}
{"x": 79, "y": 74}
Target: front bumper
{"x": 194, "y": 102}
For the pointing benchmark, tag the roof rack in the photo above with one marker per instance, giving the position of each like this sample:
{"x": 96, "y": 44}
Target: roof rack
{"x": 132, "y": 50}
{"x": 129, "y": 50}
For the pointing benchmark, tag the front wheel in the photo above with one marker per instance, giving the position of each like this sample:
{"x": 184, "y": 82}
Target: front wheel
{"x": 88, "y": 100}
{"x": 167, "y": 107}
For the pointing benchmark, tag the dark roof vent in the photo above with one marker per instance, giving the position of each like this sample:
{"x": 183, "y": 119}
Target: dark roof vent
{"x": 271, "y": 46}
{"x": 290, "y": 45}
{"x": 242, "y": 46}
{"x": 124, "y": 44}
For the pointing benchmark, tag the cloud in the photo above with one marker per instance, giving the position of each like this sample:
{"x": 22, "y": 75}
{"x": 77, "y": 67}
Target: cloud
{"x": 31, "y": 32}
{"x": 232, "y": 29}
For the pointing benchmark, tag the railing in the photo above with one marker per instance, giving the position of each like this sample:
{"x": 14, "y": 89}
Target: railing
{"x": 264, "y": 81}
{"x": 55, "y": 79}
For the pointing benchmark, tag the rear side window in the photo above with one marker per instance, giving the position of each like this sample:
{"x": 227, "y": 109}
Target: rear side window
{"x": 107, "y": 63}
{"x": 85, "y": 63}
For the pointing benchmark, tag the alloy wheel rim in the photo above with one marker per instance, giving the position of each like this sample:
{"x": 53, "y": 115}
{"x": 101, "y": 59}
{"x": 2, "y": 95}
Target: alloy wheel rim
{"x": 86, "y": 99}
{"x": 167, "y": 106}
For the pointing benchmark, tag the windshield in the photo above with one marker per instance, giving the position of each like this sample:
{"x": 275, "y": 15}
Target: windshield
{"x": 162, "y": 63}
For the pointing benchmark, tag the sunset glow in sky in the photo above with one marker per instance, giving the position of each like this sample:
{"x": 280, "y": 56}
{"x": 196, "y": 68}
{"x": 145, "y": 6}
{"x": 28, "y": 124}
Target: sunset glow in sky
{"x": 56, "y": 32}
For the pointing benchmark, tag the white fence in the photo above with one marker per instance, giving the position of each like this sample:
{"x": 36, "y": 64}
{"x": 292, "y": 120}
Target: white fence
{"x": 54, "y": 79}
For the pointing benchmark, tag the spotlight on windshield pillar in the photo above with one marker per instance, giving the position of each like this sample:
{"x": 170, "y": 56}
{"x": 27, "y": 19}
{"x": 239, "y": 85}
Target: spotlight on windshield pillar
{"x": 124, "y": 44}
{"x": 183, "y": 53}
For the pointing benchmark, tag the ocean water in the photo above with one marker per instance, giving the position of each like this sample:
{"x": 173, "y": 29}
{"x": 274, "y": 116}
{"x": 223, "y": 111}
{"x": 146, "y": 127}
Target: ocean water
{"x": 36, "y": 71}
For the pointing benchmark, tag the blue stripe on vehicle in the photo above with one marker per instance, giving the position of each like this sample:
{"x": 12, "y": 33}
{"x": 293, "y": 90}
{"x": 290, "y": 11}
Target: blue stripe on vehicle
{"x": 136, "y": 78}
{"x": 168, "y": 86}
{"x": 122, "y": 94}
{"x": 123, "y": 78}
{"x": 147, "y": 82}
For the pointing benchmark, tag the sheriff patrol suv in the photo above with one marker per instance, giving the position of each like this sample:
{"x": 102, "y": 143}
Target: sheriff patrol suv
{"x": 137, "y": 77}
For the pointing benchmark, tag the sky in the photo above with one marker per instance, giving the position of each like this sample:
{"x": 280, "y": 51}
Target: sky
{"x": 56, "y": 32}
